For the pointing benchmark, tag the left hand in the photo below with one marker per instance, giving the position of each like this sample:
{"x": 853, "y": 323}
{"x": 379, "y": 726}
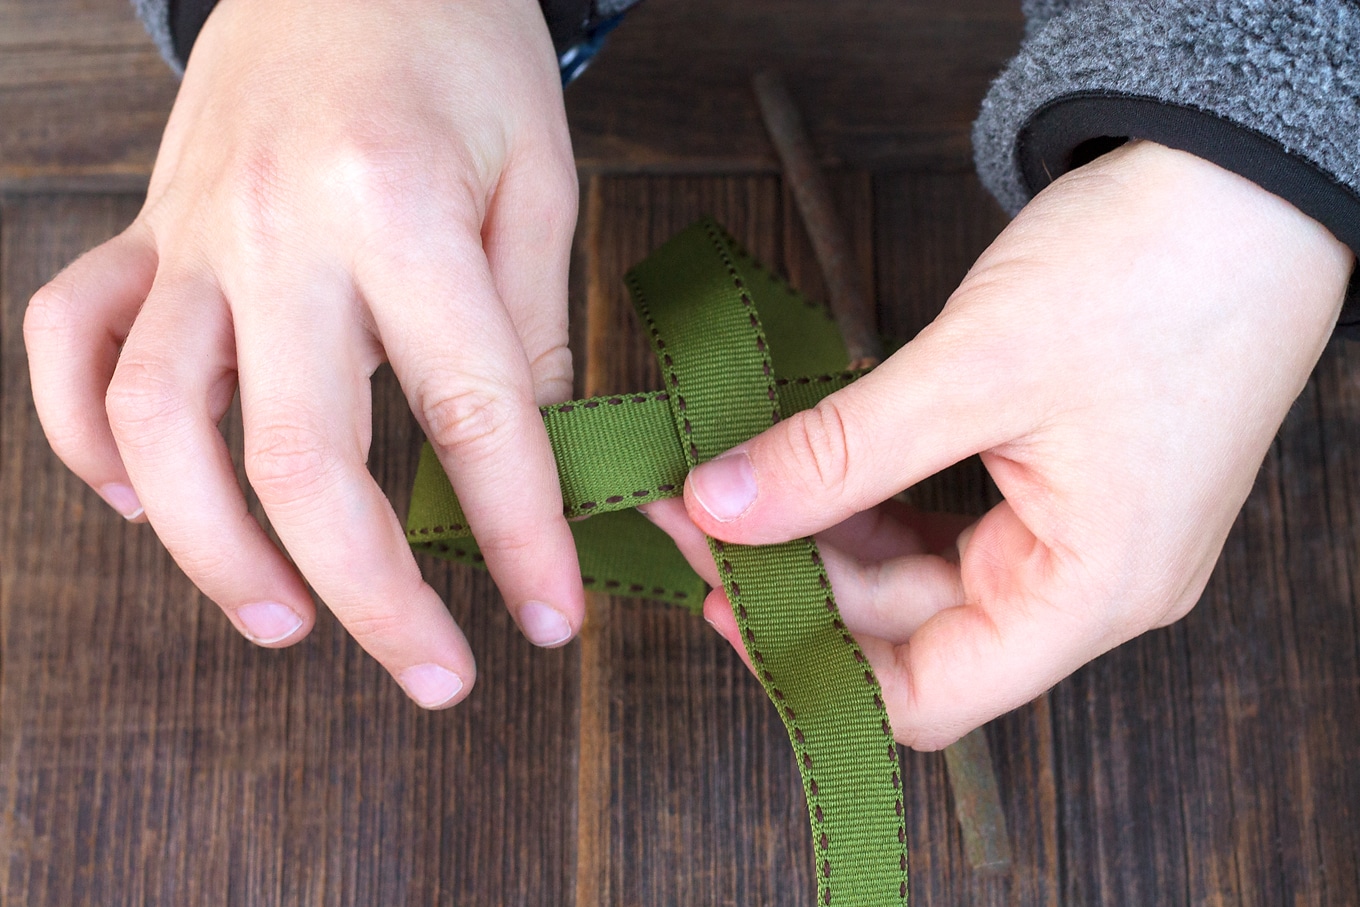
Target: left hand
{"x": 1121, "y": 358}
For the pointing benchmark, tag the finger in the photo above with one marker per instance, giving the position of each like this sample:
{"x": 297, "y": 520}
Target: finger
{"x": 670, "y": 517}
{"x": 893, "y": 598}
{"x": 1027, "y": 622}
{"x": 889, "y": 596}
{"x": 306, "y": 404}
{"x": 893, "y": 529}
{"x": 173, "y": 383}
{"x": 476, "y": 403}
{"x": 73, "y": 330}
{"x": 936, "y": 401}
{"x": 527, "y": 238}
{"x": 718, "y": 613}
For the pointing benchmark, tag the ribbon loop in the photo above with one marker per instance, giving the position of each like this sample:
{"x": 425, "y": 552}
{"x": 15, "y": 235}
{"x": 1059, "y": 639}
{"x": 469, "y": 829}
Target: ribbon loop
{"x": 697, "y": 298}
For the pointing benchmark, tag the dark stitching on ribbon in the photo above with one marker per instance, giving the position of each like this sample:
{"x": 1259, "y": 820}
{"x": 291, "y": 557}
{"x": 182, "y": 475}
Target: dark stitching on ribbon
{"x": 594, "y": 402}
{"x": 756, "y": 265}
{"x": 872, "y": 680}
{"x": 799, "y": 738}
{"x": 620, "y": 498}
{"x": 720, "y": 240}
{"x": 436, "y": 530}
{"x": 824, "y": 582}
{"x": 645, "y": 311}
{"x": 588, "y": 581}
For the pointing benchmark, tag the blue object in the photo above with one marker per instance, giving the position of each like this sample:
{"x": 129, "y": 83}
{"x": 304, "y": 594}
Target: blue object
{"x": 575, "y": 59}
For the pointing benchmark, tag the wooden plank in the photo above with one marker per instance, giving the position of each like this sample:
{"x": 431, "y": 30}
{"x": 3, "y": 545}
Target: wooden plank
{"x": 880, "y": 82}
{"x": 84, "y": 95}
{"x": 153, "y": 756}
{"x": 594, "y": 757}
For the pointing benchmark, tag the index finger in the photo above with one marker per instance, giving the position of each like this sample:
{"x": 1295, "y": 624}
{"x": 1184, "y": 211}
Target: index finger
{"x": 456, "y": 353}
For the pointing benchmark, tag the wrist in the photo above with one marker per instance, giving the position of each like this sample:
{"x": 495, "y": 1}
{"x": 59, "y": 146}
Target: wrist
{"x": 1270, "y": 248}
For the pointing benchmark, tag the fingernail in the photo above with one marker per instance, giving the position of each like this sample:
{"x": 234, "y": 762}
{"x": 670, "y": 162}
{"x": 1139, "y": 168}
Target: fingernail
{"x": 543, "y": 624}
{"x": 122, "y": 499}
{"x": 268, "y": 622}
{"x": 725, "y": 487}
{"x": 430, "y": 685}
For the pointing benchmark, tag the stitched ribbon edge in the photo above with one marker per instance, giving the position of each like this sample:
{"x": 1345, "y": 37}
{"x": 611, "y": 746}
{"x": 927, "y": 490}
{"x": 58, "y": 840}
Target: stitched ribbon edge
{"x": 866, "y": 866}
{"x": 875, "y": 865}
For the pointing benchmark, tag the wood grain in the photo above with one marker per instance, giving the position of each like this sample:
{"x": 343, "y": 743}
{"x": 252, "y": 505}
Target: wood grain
{"x": 594, "y": 748}
{"x": 84, "y": 94}
{"x": 677, "y": 67}
{"x": 150, "y": 755}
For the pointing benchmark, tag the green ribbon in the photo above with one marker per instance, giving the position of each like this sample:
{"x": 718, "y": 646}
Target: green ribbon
{"x": 697, "y": 298}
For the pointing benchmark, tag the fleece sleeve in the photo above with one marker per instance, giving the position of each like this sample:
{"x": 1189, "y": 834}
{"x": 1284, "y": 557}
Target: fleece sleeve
{"x": 1269, "y": 89}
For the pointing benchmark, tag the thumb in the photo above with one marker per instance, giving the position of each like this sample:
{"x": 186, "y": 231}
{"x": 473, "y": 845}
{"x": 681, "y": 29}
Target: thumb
{"x": 938, "y": 400}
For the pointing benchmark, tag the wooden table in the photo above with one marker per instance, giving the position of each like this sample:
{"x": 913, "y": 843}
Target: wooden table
{"x": 149, "y": 755}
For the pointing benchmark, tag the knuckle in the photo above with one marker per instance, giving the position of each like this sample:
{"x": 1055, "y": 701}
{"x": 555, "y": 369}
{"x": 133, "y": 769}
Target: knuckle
{"x": 388, "y": 183}
{"x": 552, "y": 371}
{"x": 1176, "y": 610}
{"x": 257, "y": 193}
{"x": 559, "y": 200}
{"x": 287, "y": 461}
{"x": 49, "y": 317}
{"x": 375, "y": 622}
{"x": 144, "y": 403}
{"x": 467, "y": 421}
{"x": 928, "y": 740}
{"x": 211, "y": 567}
{"x": 819, "y": 440}
{"x": 371, "y": 172}
{"x": 71, "y": 438}
{"x": 509, "y": 541}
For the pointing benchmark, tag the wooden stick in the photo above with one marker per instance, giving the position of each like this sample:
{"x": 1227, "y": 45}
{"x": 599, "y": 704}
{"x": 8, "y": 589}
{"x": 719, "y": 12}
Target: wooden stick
{"x": 850, "y": 305}
{"x": 977, "y": 803}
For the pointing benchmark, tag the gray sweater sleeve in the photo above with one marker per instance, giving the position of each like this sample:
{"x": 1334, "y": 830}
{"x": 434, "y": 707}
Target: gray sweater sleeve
{"x": 1269, "y": 89}
{"x": 155, "y": 15}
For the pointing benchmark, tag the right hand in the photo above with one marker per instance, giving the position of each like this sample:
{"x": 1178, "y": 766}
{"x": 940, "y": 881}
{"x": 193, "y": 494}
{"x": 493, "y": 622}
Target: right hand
{"x": 340, "y": 184}
{"x": 1121, "y": 357}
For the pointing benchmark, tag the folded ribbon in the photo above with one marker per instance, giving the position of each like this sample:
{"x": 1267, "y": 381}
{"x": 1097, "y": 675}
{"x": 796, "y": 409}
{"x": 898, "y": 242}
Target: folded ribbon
{"x": 697, "y": 298}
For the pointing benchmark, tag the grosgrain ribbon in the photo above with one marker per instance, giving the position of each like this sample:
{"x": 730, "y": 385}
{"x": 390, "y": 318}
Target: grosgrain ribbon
{"x": 697, "y": 297}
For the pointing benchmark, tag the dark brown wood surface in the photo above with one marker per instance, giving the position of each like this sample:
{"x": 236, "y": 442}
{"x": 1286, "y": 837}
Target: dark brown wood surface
{"x": 84, "y": 94}
{"x": 149, "y": 755}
